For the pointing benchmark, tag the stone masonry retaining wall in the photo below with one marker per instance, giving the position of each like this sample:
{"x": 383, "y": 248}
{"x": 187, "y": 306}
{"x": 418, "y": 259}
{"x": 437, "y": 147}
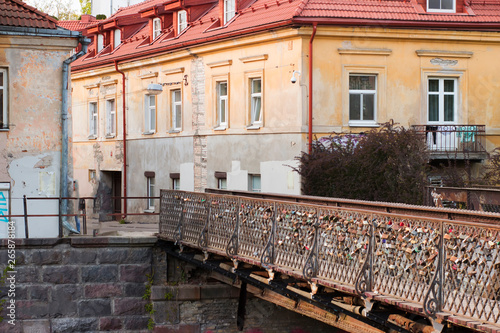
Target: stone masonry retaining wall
{"x": 98, "y": 284}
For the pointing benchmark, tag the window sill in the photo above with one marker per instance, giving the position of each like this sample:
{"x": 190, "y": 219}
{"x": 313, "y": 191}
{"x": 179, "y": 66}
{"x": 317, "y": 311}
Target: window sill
{"x": 363, "y": 124}
{"x": 149, "y": 210}
{"x": 220, "y": 128}
{"x": 4, "y": 129}
{"x": 254, "y": 127}
{"x": 148, "y": 133}
{"x": 173, "y": 131}
{"x": 110, "y": 136}
{"x": 92, "y": 137}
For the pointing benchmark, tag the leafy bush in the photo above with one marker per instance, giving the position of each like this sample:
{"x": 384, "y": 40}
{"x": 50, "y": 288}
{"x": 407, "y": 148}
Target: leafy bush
{"x": 385, "y": 164}
{"x": 100, "y": 17}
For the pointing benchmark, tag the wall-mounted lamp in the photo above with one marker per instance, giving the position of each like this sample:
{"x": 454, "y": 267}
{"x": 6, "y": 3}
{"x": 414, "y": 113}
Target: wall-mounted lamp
{"x": 154, "y": 89}
{"x": 185, "y": 80}
{"x": 294, "y": 79}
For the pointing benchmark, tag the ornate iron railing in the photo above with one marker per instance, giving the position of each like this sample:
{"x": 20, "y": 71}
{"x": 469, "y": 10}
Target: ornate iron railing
{"x": 442, "y": 266}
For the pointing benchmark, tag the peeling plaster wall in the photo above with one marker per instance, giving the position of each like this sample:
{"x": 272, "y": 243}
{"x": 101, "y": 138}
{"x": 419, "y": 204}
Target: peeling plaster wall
{"x": 30, "y": 151}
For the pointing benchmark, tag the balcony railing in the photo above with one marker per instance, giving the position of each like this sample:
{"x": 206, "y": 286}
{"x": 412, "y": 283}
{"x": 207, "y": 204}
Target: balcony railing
{"x": 454, "y": 141}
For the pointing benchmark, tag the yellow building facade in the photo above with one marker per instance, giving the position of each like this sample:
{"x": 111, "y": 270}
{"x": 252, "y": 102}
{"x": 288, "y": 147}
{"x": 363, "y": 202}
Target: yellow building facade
{"x": 230, "y": 109}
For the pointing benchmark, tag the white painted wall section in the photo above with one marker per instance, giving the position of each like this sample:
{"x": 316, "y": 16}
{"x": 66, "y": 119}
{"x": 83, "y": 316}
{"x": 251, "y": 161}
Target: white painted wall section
{"x": 279, "y": 177}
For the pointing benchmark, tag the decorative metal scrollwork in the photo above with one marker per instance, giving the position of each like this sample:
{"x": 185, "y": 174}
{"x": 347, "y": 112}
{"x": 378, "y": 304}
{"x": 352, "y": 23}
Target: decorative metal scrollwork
{"x": 267, "y": 257}
{"x": 364, "y": 280}
{"x": 178, "y": 230}
{"x": 311, "y": 266}
{"x": 203, "y": 239}
{"x": 232, "y": 246}
{"x": 433, "y": 297}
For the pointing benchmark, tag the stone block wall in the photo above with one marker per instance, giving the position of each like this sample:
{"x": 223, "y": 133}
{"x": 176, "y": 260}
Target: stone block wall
{"x": 99, "y": 285}
{"x": 80, "y": 284}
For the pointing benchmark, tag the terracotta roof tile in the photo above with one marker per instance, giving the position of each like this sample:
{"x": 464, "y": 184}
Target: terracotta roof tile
{"x": 16, "y": 13}
{"x": 261, "y": 15}
{"x": 74, "y": 25}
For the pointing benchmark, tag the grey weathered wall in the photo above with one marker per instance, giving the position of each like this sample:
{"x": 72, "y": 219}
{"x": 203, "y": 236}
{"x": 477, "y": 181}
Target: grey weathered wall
{"x": 98, "y": 284}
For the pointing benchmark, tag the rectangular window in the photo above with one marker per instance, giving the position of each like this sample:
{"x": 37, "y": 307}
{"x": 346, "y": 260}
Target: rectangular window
{"x": 362, "y": 98}
{"x": 441, "y": 6}
{"x": 110, "y": 117}
{"x": 181, "y": 21}
{"x": 151, "y": 192}
{"x": 221, "y": 180}
{"x": 93, "y": 119}
{"x": 100, "y": 42}
{"x": 150, "y": 114}
{"x": 4, "y": 105}
{"x": 256, "y": 102}
{"x": 117, "y": 38}
{"x": 222, "y": 183}
{"x": 222, "y": 110}
{"x": 229, "y": 10}
{"x": 176, "y": 110}
{"x": 176, "y": 180}
{"x": 442, "y": 100}
{"x": 156, "y": 28}
{"x": 254, "y": 183}
{"x": 92, "y": 175}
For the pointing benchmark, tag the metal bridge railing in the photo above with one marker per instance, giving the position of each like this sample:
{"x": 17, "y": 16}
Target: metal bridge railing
{"x": 440, "y": 265}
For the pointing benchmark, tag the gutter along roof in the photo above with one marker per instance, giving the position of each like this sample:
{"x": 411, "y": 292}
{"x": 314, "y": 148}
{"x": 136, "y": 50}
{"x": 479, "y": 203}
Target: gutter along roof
{"x": 263, "y": 15}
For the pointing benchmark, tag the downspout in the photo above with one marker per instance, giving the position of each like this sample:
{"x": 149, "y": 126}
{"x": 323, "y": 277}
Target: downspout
{"x": 65, "y": 138}
{"x": 311, "y": 86}
{"x": 124, "y": 143}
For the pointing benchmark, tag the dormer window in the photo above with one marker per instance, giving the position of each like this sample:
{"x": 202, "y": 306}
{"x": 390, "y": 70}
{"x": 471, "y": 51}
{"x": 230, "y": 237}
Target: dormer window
{"x": 100, "y": 42}
{"x": 156, "y": 27}
{"x": 181, "y": 20}
{"x": 229, "y": 10}
{"x": 441, "y": 6}
{"x": 117, "y": 38}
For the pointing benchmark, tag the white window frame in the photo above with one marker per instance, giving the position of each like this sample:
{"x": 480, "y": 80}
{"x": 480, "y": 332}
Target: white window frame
{"x": 441, "y": 94}
{"x": 229, "y": 10}
{"x": 150, "y": 192}
{"x": 149, "y": 114}
{"x": 222, "y": 183}
{"x": 254, "y": 122}
{"x": 100, "y": 42}
{"x": 93, "y": 119}
{"x": 110, "y": 117}
{"x": 4, "y": 87}
{"x": 439, "y": 10}
{"x": 117, "y": 36}
{"x": 176, "y": 183}
{"x": 182, "y": 21}
{"x": 251, "y": 178}
{"x": 176, "y": 117}
{"x": 220, "y": 101}
{"x": 362, "y": 92}
{"x": 156, "y": 27}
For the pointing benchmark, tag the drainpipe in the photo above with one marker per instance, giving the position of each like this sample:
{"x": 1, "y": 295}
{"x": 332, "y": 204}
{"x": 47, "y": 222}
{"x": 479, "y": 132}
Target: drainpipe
{"x": 64, "y": 118}
{"x": 311, "y": 86}
{"x": 124, "y": 144}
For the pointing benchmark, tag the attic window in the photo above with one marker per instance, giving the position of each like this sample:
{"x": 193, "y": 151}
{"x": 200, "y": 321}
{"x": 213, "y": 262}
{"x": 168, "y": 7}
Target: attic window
{"x": 441, "y": 6}
{"x": 100, "y": 42}
{"x": 229, "y": 10}
{"x": 181, "y": 20}
{"x": 156, "y": 27}
{"x": 117, "y": 37}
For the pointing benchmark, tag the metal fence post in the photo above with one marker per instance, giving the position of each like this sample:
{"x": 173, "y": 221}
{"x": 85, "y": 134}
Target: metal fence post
{"x": 25, "y": 204}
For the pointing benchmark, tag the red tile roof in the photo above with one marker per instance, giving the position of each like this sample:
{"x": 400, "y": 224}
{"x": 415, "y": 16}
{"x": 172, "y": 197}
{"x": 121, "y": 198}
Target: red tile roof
{"x": 78, "y": 25}
{"x": 261, "y": 15}
{"x": 16, "y": 13}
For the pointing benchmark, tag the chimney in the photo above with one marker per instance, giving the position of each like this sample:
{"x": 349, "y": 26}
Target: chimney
{"x": 86, "y": 18}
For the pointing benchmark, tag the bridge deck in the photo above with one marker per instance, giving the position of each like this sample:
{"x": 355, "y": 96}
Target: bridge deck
{"x": 441, "y": 269}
